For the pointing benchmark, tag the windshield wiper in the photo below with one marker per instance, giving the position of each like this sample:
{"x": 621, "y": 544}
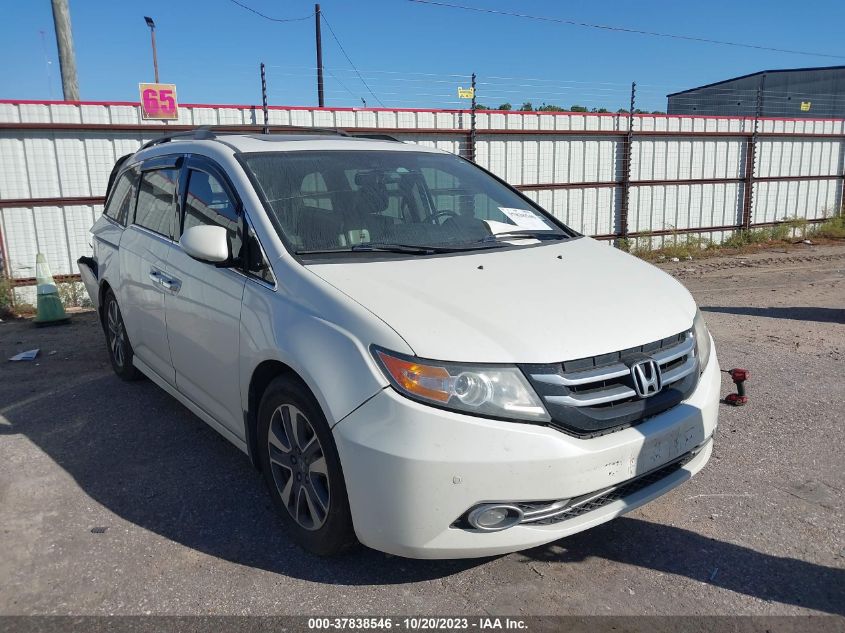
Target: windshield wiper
{"x": 533, "y": 235}
{"x": 384, "y": 247}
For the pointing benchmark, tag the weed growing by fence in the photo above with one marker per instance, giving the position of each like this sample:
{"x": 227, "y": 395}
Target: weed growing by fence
{"x": 680, "y": 246}
{"x": 834, "y": 228}
{"x": 6, "y": 302}
{"x": 73, "y": 294}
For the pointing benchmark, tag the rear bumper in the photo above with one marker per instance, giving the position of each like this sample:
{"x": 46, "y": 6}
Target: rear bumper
{"x": 89, "y": 272}
{"x": 412, "y": 470}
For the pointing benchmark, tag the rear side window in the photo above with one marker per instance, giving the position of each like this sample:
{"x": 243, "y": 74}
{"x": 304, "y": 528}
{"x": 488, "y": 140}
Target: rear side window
{"x": 207, "y": 203}
{"x": 122, "y": 197}
{"x": 155, "y": 210}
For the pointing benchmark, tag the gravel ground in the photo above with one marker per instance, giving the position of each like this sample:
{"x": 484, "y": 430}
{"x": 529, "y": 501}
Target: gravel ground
{"x": 114, "y": 499}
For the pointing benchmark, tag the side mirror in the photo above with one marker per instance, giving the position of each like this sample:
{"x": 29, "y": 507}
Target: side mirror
{"x": 206, "y": 243}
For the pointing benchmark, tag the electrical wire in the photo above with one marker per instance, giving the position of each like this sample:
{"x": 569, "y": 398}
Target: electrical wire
{"x": 622, "y": 29}
{"x": 343, "y": 85}
{"x": 342, "y": 50}
{"x": 267, "y": 17}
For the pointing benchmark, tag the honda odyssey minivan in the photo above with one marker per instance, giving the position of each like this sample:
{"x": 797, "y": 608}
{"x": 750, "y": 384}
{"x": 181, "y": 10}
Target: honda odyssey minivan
{"x": 415, "y": 355}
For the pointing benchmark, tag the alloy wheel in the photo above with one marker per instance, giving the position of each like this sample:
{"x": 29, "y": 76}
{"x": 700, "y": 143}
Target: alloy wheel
{"x": 299, "y": 467}
{"x": 117, "y": 335}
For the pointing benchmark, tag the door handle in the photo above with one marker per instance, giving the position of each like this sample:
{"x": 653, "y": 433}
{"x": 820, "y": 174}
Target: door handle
{"x": 173, "y": 285}
{"x": 168, "y": 283}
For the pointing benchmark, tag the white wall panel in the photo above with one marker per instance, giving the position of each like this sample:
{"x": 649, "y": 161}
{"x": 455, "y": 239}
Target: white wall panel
{"x": 72, "y": 165}
{"x": 14, "y": 178}
{"x": 77, "y": 163}
{"x": 41, "y": 165}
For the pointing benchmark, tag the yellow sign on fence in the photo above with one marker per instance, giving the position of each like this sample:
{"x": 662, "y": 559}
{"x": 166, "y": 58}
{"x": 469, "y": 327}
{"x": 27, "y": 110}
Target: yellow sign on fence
{"x": 805, "y": 106}
{"x": 466, "y": 93}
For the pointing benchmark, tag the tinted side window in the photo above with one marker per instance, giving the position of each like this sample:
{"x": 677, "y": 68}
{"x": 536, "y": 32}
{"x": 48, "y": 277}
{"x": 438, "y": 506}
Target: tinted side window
{"x": 155, "y": 200}
{"x": 207, "y": 203}
{"x": 122, "y": 196}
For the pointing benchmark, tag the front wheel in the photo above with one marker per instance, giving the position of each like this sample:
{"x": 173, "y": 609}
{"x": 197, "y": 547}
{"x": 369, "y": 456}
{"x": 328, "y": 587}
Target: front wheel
{"x": 302, "y": 470}
{"x": 120, "y": 349}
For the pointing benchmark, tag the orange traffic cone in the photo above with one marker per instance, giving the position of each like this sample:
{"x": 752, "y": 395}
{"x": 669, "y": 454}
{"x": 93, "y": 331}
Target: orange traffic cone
{"x": 50, "y": 308}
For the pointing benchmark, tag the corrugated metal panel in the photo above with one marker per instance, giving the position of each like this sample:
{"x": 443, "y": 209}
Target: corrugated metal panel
{"x": 571, "y": 164}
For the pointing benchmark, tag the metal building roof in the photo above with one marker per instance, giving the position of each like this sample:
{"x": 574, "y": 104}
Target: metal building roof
{"x": 755, "y": 74}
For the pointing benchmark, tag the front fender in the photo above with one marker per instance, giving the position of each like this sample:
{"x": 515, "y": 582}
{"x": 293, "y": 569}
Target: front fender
{"x": 324, "y": 340}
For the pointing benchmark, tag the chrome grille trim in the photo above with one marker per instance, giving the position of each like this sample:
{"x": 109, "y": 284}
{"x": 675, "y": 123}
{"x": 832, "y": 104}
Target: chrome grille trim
{"x": 620, "y": 392}
{"x": 608, "y": 394}
{"x": 681, "y": 371}
{"x": 674, "y": 353}
{"x": 573, "y": 379}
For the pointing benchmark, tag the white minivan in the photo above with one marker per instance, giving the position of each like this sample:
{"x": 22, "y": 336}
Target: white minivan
{"x": 415, "y": 355}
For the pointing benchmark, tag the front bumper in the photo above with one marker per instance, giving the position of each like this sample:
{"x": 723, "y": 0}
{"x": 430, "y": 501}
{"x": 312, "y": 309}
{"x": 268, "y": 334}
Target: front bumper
{"x": 411, "y": 470}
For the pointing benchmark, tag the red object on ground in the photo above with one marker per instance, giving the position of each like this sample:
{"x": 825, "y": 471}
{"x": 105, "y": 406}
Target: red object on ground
{"x": 736, "y": 400}
{"x": 739, "y": 377}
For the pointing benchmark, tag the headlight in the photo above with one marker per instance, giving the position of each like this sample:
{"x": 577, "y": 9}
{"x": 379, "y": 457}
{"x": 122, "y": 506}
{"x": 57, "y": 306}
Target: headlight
{"x": 497, "y": 391}
{"x": 702, "y": 340}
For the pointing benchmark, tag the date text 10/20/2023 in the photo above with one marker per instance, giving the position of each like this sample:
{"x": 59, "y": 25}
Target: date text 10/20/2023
{"x": 417, "y": 623}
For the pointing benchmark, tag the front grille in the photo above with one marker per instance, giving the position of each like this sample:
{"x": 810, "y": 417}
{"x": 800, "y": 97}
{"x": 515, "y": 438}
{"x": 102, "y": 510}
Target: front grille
{"x": 596, "y": 395}
{"x": 554, "y": 512}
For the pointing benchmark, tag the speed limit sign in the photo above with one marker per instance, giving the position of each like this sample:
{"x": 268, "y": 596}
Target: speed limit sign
{"x": 158, "y": 101}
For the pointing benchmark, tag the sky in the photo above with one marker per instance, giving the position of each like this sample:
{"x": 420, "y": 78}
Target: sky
{"x": 410, "y": 54}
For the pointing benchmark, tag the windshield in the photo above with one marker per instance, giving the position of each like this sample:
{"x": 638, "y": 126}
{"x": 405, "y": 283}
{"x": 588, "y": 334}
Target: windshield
{"x": 398, "y": 201}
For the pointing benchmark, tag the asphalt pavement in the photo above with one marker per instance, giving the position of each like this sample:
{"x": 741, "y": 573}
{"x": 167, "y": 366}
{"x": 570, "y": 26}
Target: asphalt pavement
{"x": 114, "y": 499}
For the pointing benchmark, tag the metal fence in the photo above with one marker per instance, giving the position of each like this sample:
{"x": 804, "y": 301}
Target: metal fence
{"x": 632, "y": 176}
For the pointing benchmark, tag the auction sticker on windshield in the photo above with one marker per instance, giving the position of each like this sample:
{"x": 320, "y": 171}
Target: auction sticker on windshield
{"x": 525, "y": 219}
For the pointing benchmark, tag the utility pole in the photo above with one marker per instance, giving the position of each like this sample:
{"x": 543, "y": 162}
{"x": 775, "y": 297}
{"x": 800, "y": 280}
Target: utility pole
{"x": 320, "y": 97}
{"x": 64, "y": 42}
{"x": 152, "y": 26}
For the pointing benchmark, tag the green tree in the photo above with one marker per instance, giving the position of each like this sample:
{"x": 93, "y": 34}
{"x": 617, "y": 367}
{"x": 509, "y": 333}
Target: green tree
{"x": 479, "y": 106}
{"x": 527, "y": 107}
{"x": 550, "y": 108}
{"x": 577, "y": 108}
{"x": 505, "y": 106}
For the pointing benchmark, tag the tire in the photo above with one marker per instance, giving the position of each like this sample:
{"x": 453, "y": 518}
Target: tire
{"x": 301, "y": 468}
{"x": 117, "y": 341}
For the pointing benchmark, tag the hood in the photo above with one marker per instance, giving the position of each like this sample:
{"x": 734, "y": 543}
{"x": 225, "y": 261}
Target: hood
{"x": 541, "y": 304}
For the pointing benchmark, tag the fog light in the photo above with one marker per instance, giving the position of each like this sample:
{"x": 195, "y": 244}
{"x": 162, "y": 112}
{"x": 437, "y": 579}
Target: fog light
{"x": 492, "y": 517}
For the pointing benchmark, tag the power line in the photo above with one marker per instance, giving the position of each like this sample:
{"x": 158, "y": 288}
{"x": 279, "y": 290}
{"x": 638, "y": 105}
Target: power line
{"x": 622, "y": 29}
{"x": 342, "y": 50}
{"x": 343, "y": 85}
{"x": 267, "y": 17}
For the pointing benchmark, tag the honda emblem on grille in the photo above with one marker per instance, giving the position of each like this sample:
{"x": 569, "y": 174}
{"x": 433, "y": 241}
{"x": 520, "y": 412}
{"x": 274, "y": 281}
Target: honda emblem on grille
{"x": 647, "y": 378}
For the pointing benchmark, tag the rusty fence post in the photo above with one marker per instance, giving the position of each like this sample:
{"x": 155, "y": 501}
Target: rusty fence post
{"x": 626, "y": 169}
{"x": 841, "y": 211}
{"x": 264, "y": 99}
{"x": 473, "y": 106}
{"x": 751, "y": 166}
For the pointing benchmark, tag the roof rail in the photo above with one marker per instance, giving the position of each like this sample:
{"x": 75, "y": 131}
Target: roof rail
{"x": 201, "y": 133}
{"x": 209, "y": 133}
{"x": 375, "y": 137}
